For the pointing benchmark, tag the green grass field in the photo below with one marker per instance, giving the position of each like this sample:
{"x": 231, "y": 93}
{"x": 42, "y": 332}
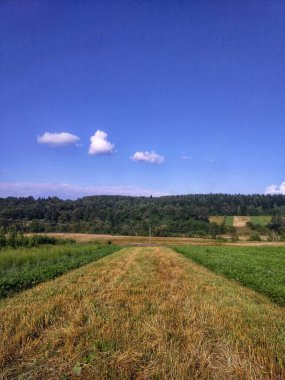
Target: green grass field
{"x": 229, "y": 220}
{"x": 259, "y": 268}
{"x": 25, "y": 267}
{"x": 262, "y": 220}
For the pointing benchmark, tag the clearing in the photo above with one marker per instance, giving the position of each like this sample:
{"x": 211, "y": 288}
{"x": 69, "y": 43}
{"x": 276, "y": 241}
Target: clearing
{"x": 141, "y": 313}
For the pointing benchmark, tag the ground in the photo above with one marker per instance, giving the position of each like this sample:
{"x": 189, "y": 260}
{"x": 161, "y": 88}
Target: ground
{"x": 141, "y": 313}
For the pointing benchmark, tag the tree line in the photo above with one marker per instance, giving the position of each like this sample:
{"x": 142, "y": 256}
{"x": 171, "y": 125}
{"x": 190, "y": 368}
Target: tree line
{"x": 168, "y": 215}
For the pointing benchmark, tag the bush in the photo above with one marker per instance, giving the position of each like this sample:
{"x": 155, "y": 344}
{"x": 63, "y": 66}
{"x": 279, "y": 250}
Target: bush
{"x": 254, "y": 237}
{"x": 14, "y": 239}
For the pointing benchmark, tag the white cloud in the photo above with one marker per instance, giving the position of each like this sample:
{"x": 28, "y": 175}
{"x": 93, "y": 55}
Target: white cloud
{"x": 58, "y": 139}
{"x": 185, "y": 157}
{"x": 100, "y": 144}
{"x": 274, "y": 189}
{"x": 68, "y": 191}
{"x": 150, "y": 157}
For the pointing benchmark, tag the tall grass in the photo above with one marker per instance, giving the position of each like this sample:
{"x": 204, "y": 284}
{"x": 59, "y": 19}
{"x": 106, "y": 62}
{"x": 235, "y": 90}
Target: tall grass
{"x": 25, "y": 267}
{"x": 259, "y": 268}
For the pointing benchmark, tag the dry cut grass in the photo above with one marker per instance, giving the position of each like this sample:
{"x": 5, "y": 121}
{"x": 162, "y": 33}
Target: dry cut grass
{"x": 240, "y": 221}
{"x": 141, "y": 313}
{"x": 217, "y": 219}
{"x": 124, "y": 241}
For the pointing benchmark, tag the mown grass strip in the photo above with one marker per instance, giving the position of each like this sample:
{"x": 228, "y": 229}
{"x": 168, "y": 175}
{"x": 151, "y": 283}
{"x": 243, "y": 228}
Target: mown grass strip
{"x": 23, "y": 268}
{"x": 259, "y": 268}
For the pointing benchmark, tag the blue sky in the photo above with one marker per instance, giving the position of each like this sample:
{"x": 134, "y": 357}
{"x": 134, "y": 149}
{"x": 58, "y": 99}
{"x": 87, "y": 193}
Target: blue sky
{"x": 189, "y": 95}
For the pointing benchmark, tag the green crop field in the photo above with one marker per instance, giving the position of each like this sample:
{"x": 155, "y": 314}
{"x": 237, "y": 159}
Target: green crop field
{"x": 259, "y": 268}
{"x": 23, "y": 268}
{"x": 229, "y": 220}
{"x": 262, "y": 220}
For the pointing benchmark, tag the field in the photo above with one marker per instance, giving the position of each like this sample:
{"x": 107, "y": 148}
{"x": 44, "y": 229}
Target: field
{"x": 240, "y": 221}
{"x": 261, "y": 220}
{"x": 229, "y": 220}
{"x": 24, "y": 267}
{"x": 142, "y": 313}
{"x": 217, "y": 219}
{"x": 261, "y": 269}
{"x": 124, "y": 241}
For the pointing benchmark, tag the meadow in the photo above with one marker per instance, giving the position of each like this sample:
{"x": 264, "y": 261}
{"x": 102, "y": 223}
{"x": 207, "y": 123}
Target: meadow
{"x": 259, "y": 268}
{"x": 261, "y": 220}
{"x": 23, "y": 268}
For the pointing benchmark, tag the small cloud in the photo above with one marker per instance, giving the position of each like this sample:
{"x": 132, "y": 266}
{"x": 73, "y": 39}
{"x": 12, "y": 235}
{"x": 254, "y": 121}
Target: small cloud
{"x": 150, "y": 157}
{"x": 58, "y": 139}
{"x": 100, "y": 144}
{"x": 274, "y": 189}
{"x": 185, "y": 157}
{"x": 211, "y": 160}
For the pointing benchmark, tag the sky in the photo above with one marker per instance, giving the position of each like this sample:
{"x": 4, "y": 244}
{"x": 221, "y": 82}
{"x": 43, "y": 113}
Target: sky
{"x": 141, "y": 97}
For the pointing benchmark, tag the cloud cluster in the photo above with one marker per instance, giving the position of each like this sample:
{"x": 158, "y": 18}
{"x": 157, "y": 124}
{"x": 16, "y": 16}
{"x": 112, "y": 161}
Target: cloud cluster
{"x": 58, "y": 139}
{"x": 274, "y": 189}
{"x": 100, "y": 144}
{"x": 150, "y": 157}
{"x": 68, "y": 191}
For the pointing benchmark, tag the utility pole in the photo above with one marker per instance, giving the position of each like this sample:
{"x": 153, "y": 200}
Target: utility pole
{"x": 149, "y": 235}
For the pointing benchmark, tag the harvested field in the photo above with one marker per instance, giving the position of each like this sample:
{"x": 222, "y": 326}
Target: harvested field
{"x": 124, "y": 241}
{"x": 217, "y": 219}
{"x": 141, "y": 313}
{"x": 240, "y": 221}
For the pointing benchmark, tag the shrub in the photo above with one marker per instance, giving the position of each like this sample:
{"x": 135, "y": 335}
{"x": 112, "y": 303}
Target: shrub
{"x": 254, "y": 237}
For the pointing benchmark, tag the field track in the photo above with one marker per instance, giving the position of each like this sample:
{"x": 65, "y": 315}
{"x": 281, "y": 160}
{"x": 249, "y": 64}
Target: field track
{"x": 141, "y": 313}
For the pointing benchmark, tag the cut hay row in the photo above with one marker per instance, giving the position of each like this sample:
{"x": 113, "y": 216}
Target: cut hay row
{"x": 141, "y": 313}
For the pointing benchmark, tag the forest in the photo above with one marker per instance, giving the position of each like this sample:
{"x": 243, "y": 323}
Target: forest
{"x": 167, "y": 215}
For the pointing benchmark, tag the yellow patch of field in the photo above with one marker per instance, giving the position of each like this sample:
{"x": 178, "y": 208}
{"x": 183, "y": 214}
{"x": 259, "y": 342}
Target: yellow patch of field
{"x": 217, "y": 219}
{"x": 124, "y": 241}
{"x": 240, "y": 221}
{"x": 141, "y": 313}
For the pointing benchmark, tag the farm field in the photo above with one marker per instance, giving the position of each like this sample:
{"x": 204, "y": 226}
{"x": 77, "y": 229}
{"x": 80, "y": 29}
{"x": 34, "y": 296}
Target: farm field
{"x": 229, "y": 220}
{"x": 240, "y": 221}
{"x": 123, "y": 241}
{"x": 261, "y": 220}
{"x": 23, "y": 268}
{"x": 141, "y": 313}
{"x": 217, "y": 219}
{"x": 260, "y": 268}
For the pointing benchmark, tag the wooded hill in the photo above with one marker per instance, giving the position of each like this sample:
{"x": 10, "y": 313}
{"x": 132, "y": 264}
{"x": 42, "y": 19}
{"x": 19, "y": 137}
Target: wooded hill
{"x": 168, "y": 215}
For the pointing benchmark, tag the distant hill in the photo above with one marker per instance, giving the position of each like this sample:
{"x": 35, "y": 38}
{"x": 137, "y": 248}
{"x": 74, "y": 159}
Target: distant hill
{"x": 168, "y": 215}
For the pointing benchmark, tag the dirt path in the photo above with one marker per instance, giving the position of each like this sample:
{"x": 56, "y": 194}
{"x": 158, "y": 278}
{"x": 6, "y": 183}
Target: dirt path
{"x": 141, "y": 313}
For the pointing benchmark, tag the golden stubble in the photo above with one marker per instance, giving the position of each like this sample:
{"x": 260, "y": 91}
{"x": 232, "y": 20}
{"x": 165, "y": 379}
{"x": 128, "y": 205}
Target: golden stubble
{"x": 141, "y": 313}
